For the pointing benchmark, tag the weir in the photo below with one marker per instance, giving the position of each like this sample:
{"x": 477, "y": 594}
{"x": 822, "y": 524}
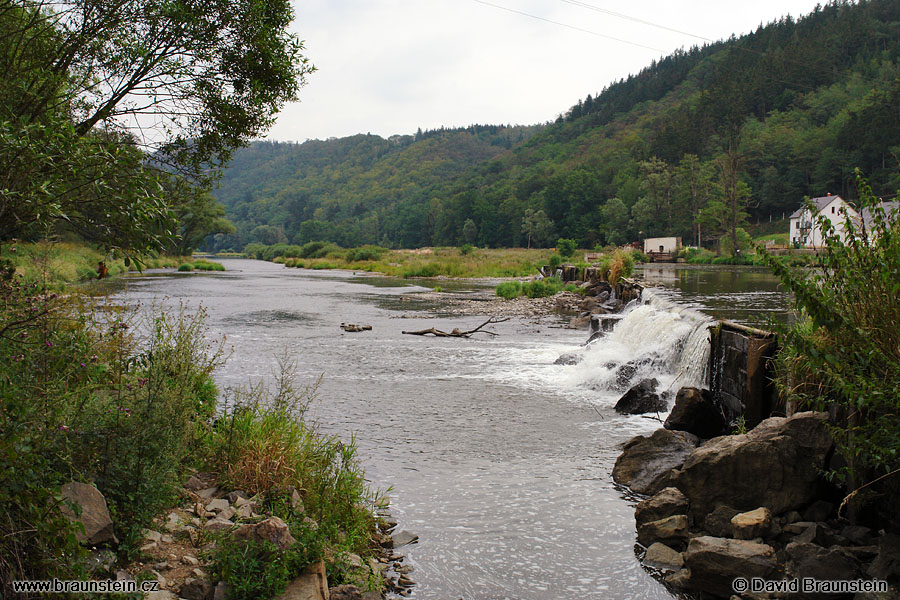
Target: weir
{"x": 656, "y": 338}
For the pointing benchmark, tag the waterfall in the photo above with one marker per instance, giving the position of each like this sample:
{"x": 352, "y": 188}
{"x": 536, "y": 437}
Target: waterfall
{"x": 655, "y": 338}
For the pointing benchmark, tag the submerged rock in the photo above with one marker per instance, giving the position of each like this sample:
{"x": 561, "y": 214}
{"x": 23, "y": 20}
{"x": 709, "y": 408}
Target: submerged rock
{"x": 569, "y": 358}
{"x": 641, "y": 398}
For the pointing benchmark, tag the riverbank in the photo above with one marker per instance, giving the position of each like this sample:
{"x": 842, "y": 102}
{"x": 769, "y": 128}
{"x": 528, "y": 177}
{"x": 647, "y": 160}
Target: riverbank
{"x": 107, "y": 411}
{"x": 53, "y": 265}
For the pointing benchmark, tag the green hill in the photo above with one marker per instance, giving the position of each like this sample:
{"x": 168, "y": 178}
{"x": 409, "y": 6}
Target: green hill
{"x": 704, "y": 140}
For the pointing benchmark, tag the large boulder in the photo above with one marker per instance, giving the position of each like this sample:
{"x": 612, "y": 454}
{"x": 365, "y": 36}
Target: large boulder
{"x": 646, "y": 463}
{"x": 665, "y": 503}
{"x": 697, "y": 412}
{"x": 272, "y": 530}
{"x": 776, "y": 465}
{"x": 715, "y": 562}
{"x": 98, "y": 525}
{"x": 810, "y": 560}
{"x": 641, "y": 398}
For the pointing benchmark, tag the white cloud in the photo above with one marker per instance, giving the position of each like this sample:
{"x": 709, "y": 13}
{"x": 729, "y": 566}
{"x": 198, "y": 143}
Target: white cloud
{"x": 390, "y": 66}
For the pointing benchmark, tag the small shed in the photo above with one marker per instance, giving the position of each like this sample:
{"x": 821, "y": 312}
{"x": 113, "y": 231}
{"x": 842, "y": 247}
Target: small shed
{"x": 662, "y": 245}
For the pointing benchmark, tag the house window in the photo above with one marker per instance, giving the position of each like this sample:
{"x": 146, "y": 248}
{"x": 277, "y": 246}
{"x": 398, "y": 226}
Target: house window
{"x": 832, "y": 210}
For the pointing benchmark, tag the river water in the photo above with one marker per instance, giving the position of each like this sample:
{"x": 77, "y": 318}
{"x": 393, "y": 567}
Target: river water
{"x": 497, "y": 459}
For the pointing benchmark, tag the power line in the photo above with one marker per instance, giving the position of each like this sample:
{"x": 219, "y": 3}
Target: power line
{"x": 739, "y": 47}
{"x": 634, "y": 19}
{"x": 609, "y": 37}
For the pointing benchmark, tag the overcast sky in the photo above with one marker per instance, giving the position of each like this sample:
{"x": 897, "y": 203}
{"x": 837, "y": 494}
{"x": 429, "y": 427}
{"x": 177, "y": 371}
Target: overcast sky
{"x": 391, "y": 66}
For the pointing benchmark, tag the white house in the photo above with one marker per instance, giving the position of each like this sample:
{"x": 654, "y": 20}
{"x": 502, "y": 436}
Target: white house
{"x": 663, "y": 245}
{"x": 805, "y": 229}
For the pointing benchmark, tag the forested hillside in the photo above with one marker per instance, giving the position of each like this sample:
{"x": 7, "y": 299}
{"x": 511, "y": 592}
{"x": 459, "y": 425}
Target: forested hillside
{"x": 694, "y": 145}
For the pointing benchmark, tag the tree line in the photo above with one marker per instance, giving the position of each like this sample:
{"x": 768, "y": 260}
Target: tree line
{"x": 699, "y": 144}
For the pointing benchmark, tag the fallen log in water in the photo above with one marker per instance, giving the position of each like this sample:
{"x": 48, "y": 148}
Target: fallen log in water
{"x": 456, "y": 332}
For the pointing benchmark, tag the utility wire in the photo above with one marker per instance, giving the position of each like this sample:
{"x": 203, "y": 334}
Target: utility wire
{"x": 609, "y": 37}
{"x": 794, "y": 84}
{"x": 634, "y": 19}
{"x": 738, "y": 47}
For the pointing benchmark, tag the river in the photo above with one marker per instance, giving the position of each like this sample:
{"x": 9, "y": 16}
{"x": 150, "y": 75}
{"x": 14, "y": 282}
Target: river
{"x": 496, "y": 458}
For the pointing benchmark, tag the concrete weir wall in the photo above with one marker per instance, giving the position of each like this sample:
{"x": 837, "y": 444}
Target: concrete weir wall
{"x": 740, "y": 369}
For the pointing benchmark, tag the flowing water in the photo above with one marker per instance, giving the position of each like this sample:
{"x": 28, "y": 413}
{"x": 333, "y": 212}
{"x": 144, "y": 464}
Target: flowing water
{"x": 498, "y": 459}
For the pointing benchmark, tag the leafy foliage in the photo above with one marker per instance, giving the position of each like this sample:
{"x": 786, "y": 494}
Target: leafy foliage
{"x": 112, "y": 114}
{"x": 82, "y": 399}
{"x": 844, "y": 352}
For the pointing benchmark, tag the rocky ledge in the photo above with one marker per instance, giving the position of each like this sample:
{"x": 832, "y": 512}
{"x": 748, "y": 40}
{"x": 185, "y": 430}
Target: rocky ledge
{"x": 749, "y": 505}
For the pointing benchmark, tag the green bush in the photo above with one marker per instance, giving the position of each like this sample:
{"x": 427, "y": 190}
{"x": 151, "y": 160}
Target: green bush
{"x": 208, "y": 265}
{"x": 321, "y": 266}
{"x": 466, "y": 249}
{"x": 364, "y": 253}
{"x": 431, "y": 269}
{"x": 541, "y": 288}
{"x": 842, "y": 355}
{"x": 566, "y": 247}
{"x": 509, "y": 289}
{"x": 186, "y": 267}
{"x": 84, "y": 399}
{"x": 554, "y": 261}
{"x": 262, "y": 444}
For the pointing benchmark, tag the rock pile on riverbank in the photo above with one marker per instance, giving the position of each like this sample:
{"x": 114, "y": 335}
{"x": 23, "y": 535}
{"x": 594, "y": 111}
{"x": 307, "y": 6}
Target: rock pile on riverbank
{"x": 749, "y": 505}
{"x": 178, "y": 552}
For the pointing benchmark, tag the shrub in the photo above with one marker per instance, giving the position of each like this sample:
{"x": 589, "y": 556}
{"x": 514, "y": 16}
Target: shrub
{"x": 83, "y": 398}
{"x": 466, "y": 249}
{"x": 554, "y": 261}
{"x": 541, "y": 288}
{"x": 618, "y": 264}
{"x": 254, "y": 250}
{"x": 843, "y": 354}
{"x": 364, "y": 253}
{"x": 431, "y": 269}
{"x": 509, "y": 289}
{"x": 263, "y": 444}
{"x": 208, "y": 265}
{"x": 566, "y": 247}
{"x": 186, "y": 267}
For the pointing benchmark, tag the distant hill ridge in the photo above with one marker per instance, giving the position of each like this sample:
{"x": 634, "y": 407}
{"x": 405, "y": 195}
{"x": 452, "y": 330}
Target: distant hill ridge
{"x": 730, "y": 131}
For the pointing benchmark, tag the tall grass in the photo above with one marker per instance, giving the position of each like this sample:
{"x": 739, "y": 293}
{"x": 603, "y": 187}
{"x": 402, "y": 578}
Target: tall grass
{"x": 263, "y": 444}
{"x": 427, "y": 262}
{"x": 55, "y": 264}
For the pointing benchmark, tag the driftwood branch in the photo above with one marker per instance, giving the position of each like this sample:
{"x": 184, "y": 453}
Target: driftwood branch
{"x": 456, "y": 332}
